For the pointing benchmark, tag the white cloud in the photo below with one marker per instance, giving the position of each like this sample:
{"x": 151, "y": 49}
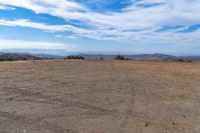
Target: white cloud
{"x": 173, "y": 36}
{"x": 170, "y": 12}
{"x": 27, "y": 23}
{"x": 72, "y": 37}
{"x": 21, "y": 44}
{"x": 4, "y": 7}
{"x": 95, "y": 34}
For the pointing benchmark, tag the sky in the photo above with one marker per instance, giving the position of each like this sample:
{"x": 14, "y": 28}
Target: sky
{"x": 100, "y": 26}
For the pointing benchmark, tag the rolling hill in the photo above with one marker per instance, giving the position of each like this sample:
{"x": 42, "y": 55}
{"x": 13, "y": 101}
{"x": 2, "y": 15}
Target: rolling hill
{"x": 17, "y": 56}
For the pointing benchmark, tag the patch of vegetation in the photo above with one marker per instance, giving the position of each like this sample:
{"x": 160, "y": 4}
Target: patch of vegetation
{"x": 18, "y": 57}
{"x": 183, "y": 60}
{"x": 75, "y": 57}
{"x": 7, "y": 59}
{"x": 13, "y": 59}
{"x": 120, "y": 57}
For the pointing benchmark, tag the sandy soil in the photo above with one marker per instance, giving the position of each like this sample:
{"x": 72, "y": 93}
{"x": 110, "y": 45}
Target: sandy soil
{"x": 59, "y": 96}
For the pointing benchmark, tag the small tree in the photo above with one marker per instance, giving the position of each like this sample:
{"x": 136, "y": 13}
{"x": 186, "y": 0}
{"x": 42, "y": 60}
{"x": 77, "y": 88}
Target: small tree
{"x": 75, "y": 57}
{"x": 119, "y": 57}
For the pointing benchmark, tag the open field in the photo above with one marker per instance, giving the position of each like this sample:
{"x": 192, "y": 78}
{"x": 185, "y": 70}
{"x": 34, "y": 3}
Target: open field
{"x": 71, "y": 96}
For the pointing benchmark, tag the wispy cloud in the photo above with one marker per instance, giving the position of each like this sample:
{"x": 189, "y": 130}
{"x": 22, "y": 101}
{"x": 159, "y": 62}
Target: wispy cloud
{"x": 42, "y": 26}
{"x": 4, "y": 7}
{"x": 95, "y": 34}
{"x": 137, "y": 21}
{"x": 170, "y": 12}
{"x": 158, "y": 35}
{"x": 21, "y": 44}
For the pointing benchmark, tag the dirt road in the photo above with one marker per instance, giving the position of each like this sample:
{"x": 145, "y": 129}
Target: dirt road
{"x": 59, "y": 96}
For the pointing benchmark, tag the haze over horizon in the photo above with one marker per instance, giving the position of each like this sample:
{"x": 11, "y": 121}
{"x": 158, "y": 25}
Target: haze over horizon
{"x": 100, "y": 26}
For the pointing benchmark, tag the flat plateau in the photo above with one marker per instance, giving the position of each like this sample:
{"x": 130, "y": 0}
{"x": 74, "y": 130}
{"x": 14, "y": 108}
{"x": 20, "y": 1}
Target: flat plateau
{"x": 91, "y": 96}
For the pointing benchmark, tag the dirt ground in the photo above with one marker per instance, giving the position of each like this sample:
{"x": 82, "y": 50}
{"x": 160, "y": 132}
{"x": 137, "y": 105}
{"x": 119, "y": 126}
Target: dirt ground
{"x": 71, "y": 96}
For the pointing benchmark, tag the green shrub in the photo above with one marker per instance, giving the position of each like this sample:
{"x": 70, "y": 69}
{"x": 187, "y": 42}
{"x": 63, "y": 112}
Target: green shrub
{"x": 75, "y": 57}
{"x": 7, "y": 59}
{"x": 120, "y": 57}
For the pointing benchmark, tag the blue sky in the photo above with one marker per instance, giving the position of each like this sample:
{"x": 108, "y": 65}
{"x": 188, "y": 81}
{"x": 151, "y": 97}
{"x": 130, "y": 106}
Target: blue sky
{"x": 101, "y": 26}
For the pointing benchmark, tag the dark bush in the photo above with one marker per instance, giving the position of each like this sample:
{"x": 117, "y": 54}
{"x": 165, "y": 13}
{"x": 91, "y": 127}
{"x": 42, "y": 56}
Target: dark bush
{"x": 120, "y": 57}
{"x": 75, "y": 57}
{"x": 183, "y": 60}
{"x": 8, "y": 59}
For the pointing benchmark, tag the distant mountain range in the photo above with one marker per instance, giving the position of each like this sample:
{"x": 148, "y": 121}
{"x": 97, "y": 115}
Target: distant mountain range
{"x": 16, "y": 56}
{"x": 157, "y": 56}
{"x": 27, "y": 56}
{"x": 49, "y": 56}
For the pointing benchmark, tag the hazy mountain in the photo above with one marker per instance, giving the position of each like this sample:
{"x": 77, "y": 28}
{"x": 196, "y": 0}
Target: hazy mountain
{"x": 17, "y": 56}
{"x": 192, "y": 58}
{"x": 155, "y": 56}
{"x": 95, "y": 56}
{"x": 135, "y": 57}
{"x": 49, "y": 56}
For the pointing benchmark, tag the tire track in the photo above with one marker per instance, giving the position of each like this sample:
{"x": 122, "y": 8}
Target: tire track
{"x": 28, "y": 121}
{"x": 127, "y": 112}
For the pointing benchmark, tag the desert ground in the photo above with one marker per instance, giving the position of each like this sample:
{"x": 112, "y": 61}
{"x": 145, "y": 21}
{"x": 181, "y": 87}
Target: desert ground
{"x": 75, "y": 96}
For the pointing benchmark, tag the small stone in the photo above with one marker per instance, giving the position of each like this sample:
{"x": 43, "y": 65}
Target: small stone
{"x": 183, "y": 115}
